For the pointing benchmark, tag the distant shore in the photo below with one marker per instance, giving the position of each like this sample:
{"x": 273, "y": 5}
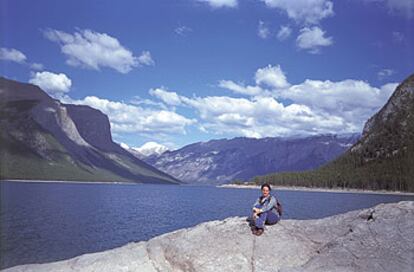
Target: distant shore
{"x": 317, "y": 189}
{"x": 68, "y": 181}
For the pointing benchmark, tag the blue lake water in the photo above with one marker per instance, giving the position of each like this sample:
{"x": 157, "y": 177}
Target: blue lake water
{"x": 44, "y": 222}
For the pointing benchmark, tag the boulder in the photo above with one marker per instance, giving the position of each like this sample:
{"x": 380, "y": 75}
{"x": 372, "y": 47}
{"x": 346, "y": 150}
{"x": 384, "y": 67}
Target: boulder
{"x": 376, "y": 239}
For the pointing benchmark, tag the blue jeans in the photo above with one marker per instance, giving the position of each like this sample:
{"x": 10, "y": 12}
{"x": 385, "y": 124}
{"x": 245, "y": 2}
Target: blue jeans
{"x": 268, "y": 218}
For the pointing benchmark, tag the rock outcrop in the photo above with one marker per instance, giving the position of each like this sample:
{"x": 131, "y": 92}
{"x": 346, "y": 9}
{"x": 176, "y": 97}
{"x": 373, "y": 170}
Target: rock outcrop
{"x": 375, "y": 239}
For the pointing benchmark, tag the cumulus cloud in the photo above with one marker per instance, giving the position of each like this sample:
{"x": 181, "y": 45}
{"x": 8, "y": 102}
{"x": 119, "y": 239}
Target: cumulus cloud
{"x": 272, "y": 76}
{"x": 260, "y": 117}
{"x": 89, "y": 49}
{"x": 53, "y": 84}
{"x": 263, "y": 30}
{"x": 353, "y": 101}
{"x": 312, "y": 39}
{"x": 239, "y": 88}
{"x": 127, "y": 118}
{"x": 137, "y": 100}
{"x": 14, "y": 55}
{"x": 284, "y": 33}
{"x": 269, "y": 76}
{"x": 303, "y": 11}
{"x": 145, "y": 58}
{"x": 11, "y": 54}
{"x": 311, "y": 107}
{"x": 221, "y": 3}
{"x": 170, "y": 98}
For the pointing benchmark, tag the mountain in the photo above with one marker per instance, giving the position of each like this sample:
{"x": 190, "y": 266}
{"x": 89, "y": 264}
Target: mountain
{"x": 42, "y": 138}
{"x": 221, "y": 161}
{"x": 382, "y": 159}
{"x": 148, "y": 149}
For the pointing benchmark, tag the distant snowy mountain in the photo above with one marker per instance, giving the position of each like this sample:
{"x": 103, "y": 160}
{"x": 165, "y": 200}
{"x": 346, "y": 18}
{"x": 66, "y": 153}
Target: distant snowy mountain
{"x": 146, "y": 150}
{"x": 222, "y": 161}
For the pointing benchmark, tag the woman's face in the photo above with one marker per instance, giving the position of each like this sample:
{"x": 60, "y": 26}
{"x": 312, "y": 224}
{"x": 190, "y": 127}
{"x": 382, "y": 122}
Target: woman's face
{"x": 265, "y": 191}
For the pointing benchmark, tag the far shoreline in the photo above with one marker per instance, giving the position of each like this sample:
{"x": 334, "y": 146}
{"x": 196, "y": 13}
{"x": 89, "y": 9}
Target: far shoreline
{"x": 73, "y": 181}
{"x": 231, "y": 186}
{"x": 317, "y": 189}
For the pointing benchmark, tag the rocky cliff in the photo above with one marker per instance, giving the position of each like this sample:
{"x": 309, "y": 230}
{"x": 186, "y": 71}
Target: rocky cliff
{"x": 391, "y": 130}
{"x": 222, "y": 161}
{"x": 42, "y": 138}
{"x": 375, "y": 239}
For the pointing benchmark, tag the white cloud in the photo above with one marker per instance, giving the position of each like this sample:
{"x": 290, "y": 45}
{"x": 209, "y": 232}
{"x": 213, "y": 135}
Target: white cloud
{"x": 384, "y": 73}
{"x": 137, "y": 100}
{"x": 145, "y": 58}
{"x": 354, "y": 101}
{"x": 37, "y": 66}
{"x": 94, "y": 50}
{"x": 303, "y": 11}
{"x": 263, "y": 30}
{"x": 221, "y": 3}
{"x": 272, "y": 76}
{"x": 312, "y": 39}
{"x": 53, "y": 84}
{"x": 127, "y": 118}
{"x": 182, "y": 30}
{"x": 314, "y": 107}
{"x": 269, "y": 76}
{"x": 238, "y": 88}
{"x": 260, "y": 117}
{"x": 284, "y": 33}
{"x": 11, "y": 54}
{"x": 169, "y": 98}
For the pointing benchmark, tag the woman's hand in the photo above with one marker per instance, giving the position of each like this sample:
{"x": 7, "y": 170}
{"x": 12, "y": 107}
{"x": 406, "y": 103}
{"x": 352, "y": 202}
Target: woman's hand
{"x": 257, "y": 210}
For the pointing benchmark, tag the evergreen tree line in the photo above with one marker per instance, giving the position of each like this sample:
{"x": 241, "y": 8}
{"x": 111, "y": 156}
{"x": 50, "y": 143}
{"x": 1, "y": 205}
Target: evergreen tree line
{"x": 351, "y": 170}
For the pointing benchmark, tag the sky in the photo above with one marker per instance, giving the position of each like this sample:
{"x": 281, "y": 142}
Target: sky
{"x": 177, "y": 72}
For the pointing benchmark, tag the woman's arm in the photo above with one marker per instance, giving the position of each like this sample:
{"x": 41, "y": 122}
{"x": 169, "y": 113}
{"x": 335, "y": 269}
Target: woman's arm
{"x": 256, "y": 203}
{"x": 268, "y": 205}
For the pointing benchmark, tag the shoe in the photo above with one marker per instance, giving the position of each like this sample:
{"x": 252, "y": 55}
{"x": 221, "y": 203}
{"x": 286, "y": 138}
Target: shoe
{"x": 254, "y": 230}
{"x": 259, "y": 232}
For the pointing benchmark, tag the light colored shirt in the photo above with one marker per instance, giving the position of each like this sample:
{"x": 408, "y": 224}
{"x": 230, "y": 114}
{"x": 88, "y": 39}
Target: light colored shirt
{"x": 265, "y": 205}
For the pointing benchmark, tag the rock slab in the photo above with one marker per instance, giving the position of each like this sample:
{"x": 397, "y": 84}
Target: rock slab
{"x": 376, "y": 239}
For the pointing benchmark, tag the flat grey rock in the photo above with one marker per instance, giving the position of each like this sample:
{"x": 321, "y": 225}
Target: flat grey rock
{"x": 376, "y": 239}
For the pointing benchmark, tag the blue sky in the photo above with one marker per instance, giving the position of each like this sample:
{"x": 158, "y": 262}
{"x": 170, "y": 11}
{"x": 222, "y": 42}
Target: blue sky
{"x": 178, "y": 72}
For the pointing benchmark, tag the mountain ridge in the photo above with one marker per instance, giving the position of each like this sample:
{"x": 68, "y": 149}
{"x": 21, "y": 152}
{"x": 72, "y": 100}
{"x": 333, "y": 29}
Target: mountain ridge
{"x": 220, "y": 161}
{"x": 42, "y": 138}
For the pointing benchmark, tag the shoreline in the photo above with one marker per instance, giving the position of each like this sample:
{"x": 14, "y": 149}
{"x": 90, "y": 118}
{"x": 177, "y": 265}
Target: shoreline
{"x": 68, "y": 181}
{"x": 318, "y": 189}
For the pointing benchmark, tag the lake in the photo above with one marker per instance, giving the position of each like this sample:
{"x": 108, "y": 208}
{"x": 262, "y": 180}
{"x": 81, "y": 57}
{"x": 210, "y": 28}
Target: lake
{"x": 44, "y": 222}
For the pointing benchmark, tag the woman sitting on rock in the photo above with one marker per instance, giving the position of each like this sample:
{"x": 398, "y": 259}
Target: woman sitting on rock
{"x": 264, "y": 211}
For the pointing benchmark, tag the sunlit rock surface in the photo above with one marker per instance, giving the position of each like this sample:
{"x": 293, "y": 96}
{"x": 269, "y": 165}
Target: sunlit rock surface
{"x": 376, "y": 239}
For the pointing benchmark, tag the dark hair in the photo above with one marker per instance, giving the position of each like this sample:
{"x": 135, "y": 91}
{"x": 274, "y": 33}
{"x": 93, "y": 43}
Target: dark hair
{"x": 266, "y": 185}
